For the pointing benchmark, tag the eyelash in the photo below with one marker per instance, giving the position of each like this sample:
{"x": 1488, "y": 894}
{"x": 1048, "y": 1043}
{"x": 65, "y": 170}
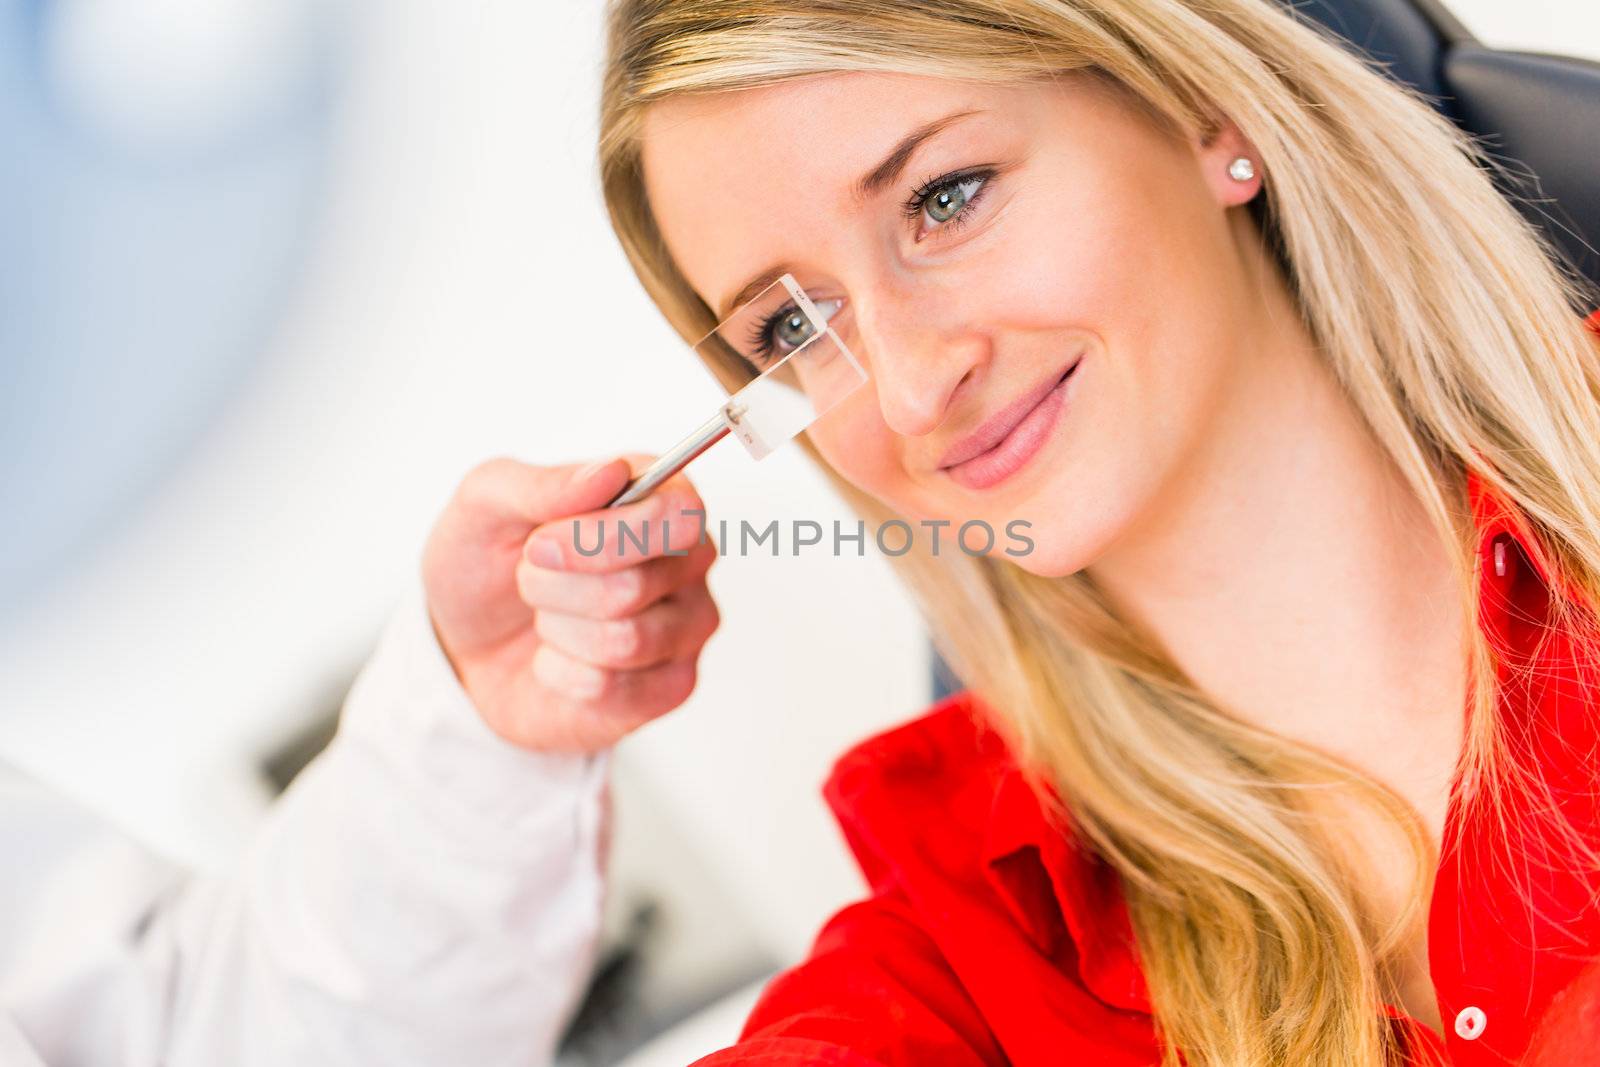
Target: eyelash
{"x": 912, "y": 209}
{"x": 917, "y": 203}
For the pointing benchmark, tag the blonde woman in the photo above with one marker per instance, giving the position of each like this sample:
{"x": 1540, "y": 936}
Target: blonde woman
{"x": 1278, "y": 746}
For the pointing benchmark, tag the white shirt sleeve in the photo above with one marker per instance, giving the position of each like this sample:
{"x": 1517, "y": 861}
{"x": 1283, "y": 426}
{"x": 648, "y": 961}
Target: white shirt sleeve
{"x": 424, "y": 893}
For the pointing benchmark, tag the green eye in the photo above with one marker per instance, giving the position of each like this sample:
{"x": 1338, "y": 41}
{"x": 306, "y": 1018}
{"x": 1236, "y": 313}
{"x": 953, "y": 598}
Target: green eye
{"x": 943, "y": 205}
{"x": 782, "y": 333}
{"x": 946, "y": 199}
{"x": 792, "y": 330}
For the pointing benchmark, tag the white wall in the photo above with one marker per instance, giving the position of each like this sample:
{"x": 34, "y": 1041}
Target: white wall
{"x": 1565, "y": 27}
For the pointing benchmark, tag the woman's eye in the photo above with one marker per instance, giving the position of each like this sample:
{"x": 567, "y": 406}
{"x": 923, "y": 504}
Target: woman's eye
{"x": 793, "y": 330}
{"x": 947, "y": 200}
{"x": 788, "y": 330}
{"x": 944, "y": 204}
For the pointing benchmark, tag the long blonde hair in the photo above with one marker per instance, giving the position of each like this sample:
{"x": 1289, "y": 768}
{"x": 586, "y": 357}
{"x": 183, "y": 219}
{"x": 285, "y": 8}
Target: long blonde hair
{"x": 1449, "y": 320}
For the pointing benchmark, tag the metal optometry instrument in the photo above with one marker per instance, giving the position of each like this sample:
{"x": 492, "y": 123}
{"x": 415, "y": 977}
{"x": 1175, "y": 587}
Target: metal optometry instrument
{"x": 814, "y": 371}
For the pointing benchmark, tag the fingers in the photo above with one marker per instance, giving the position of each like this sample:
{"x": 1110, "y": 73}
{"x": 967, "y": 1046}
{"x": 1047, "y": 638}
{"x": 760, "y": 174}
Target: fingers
{"x": 619, "y": 632}
{"x": 669, "y": 629}
{"x": 588, "y": 707}
{"x": 570, "y": 623}
{"x": 612, "y": 594}
{"x": 670, "y": 520}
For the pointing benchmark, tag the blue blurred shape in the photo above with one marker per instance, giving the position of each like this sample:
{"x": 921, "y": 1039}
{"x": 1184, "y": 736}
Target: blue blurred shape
{"x": 140, "y": 272}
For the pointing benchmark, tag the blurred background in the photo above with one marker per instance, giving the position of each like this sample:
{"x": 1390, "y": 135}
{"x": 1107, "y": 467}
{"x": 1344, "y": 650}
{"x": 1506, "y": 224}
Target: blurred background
{"x": 273, "y": 275}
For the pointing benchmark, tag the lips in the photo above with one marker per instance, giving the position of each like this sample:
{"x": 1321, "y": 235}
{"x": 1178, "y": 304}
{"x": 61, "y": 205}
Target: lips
{"x": 998, "y": 426}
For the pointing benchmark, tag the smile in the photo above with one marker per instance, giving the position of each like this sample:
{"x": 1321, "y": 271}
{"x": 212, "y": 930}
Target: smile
{"x": 1010, "y": 438}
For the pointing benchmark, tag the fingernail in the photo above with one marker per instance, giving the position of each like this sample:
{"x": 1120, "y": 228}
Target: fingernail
{"x": 543, "y": 552}
{"x": 585, "y": 473}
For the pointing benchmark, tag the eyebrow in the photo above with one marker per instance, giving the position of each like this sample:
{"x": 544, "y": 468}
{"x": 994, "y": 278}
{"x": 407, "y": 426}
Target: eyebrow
{"x": 873, "y": 181}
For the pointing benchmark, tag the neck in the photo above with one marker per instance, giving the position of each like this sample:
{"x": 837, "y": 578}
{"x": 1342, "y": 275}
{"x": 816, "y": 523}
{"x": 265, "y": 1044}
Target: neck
{"x": 1290, "y": 571}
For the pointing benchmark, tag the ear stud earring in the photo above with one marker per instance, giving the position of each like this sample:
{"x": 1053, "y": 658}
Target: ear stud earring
{"x": 1241, "y": 169}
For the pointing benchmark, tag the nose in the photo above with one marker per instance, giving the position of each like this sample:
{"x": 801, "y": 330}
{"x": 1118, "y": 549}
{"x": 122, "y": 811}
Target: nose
{"x": 921, "y": 350}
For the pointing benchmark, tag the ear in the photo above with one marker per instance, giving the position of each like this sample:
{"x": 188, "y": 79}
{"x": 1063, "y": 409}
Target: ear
{"x": 1216, "y": 147}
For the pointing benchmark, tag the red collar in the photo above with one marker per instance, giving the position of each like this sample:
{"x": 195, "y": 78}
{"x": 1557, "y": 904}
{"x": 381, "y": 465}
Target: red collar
{"x": 1048, "y": 878}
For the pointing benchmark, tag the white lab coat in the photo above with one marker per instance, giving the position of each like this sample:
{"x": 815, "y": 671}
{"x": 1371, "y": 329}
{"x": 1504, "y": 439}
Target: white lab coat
{"x": 424, "y": 894}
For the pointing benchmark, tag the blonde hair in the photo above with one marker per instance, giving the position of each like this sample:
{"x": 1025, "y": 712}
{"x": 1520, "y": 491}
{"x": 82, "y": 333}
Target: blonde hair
{"x": 1448, "y": 319}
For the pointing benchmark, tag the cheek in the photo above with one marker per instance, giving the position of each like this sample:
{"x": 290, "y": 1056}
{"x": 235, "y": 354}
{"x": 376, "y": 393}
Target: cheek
{"x": 1103, "y": 268}
{"x": 856, "y": 442}
{"x": 1098, "y": 239}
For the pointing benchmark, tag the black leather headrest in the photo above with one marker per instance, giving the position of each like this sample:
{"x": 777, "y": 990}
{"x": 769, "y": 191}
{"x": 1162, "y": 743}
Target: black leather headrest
{"x": 1538, "y": 114}
{"x": 1543, "y": 111}
{"x": 1394, "y": 32}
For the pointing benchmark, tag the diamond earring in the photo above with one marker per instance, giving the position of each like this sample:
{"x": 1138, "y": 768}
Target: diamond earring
{"x": 1241, "y": 169}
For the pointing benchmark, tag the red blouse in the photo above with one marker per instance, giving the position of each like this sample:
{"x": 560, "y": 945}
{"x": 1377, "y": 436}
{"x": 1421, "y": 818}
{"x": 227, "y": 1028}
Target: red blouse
{"x": 990, "y": 937}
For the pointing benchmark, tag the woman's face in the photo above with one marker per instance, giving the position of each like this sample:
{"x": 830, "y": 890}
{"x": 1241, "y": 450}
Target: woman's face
{"x": 982, "y": 242}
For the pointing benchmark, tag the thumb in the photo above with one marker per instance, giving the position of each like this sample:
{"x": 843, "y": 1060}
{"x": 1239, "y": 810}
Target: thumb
{"x": 520, "y": 494}
{"x": 585, "y": 490}
{"x": 588, "y": 488}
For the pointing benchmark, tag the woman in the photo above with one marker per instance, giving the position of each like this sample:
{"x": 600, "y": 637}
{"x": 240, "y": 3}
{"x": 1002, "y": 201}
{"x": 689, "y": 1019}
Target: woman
{"x": 1276, "y": 747}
